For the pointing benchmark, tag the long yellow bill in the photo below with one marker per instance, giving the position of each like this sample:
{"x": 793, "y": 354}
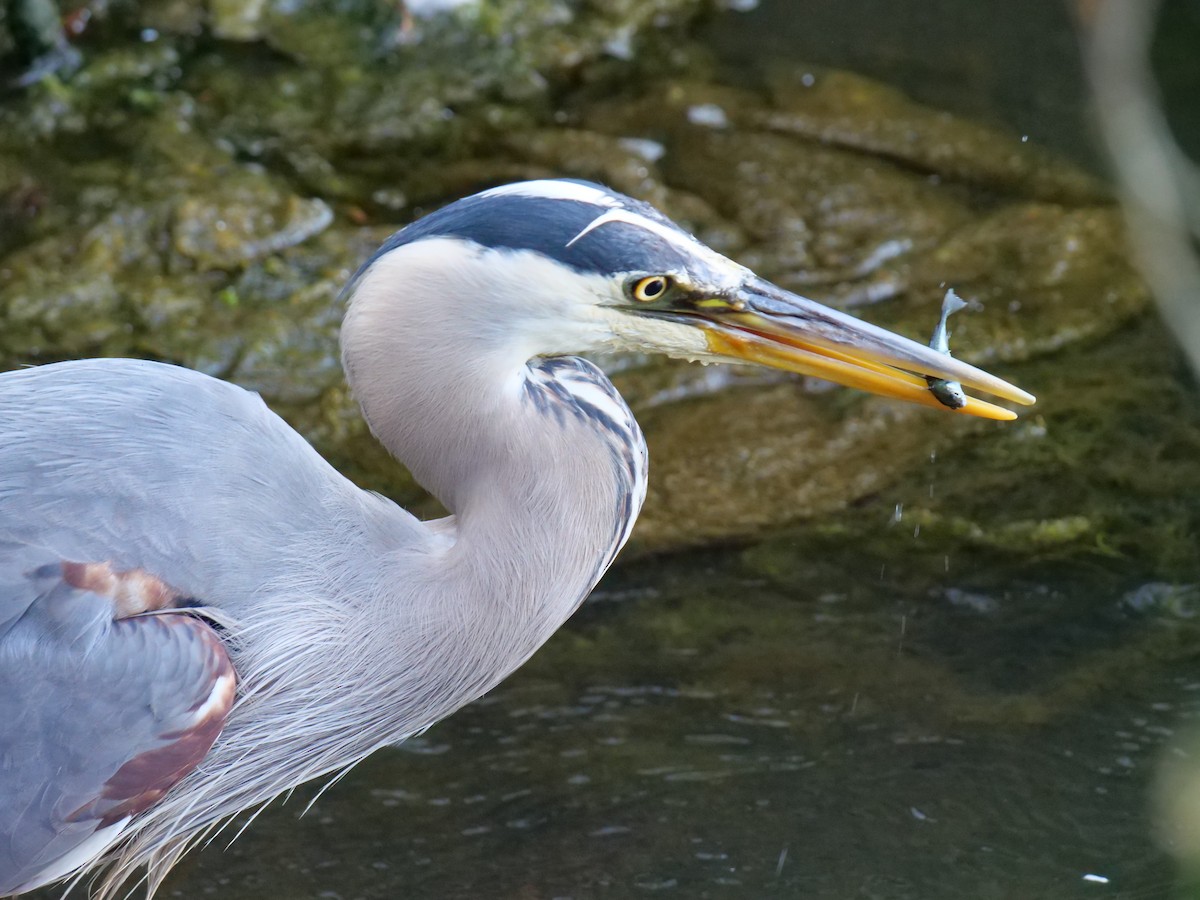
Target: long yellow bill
{"x": 767, "y": 325}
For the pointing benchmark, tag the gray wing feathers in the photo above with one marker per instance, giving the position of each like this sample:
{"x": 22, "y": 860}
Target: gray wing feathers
{"x": 141, "y": 467}
{"x": 98, "y": 718}
{"x": 106, "y": 460}
{"x": 151, "y": 466}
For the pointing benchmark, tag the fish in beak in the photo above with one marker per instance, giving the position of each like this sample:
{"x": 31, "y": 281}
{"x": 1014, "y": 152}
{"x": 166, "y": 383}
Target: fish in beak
{"x": 764, "y": 324}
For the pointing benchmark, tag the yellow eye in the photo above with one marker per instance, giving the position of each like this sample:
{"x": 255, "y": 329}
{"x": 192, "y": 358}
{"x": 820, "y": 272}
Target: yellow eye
{"x": 651, "y": 288}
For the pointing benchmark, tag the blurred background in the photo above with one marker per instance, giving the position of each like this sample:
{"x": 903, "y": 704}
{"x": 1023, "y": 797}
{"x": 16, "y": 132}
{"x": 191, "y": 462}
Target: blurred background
{"x": 855, "y": 649}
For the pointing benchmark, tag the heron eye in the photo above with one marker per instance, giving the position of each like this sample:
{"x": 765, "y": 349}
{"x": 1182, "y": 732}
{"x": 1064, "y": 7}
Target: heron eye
{"x": 651, "y": 287}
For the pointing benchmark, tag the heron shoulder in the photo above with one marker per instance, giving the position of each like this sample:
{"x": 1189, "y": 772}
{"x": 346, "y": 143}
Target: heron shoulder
{"x": 154, "y": 466}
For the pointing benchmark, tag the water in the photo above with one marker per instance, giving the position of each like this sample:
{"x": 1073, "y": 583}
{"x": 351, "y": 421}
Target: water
{"x": 700, "y": 731}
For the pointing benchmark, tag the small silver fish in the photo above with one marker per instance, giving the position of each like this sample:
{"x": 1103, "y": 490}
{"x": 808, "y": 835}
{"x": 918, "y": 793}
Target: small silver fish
{"x": 948, "y": 393}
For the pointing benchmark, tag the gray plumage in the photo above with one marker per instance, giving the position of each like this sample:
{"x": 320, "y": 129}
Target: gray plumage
{"x": 280, "y": 554}
{"x": 162, "y": 531}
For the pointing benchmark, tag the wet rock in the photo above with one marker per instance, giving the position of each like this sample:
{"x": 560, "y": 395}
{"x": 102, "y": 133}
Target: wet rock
{"x": 1163, "y": 599}
{"x": 243, "y": 225}
{"x": 738, "y": 462}
{"x": 39, "y": 41}
{"x": 237, "y": 20}
{"x": 114, "y": 89}
{"x": 1095, "y": 476}
{"x": 173, "y": 18}
{"x": 816, "y": 216}
{"x": 203, "y": 230}
{"x": 850, "y": 111}
{"x": 146, "y": 277}
{"x": 1021, "y": 535}
{"x": 1039, "y": 277}
{"x": 378, "y": 88}
{"x": 23, "y": 199}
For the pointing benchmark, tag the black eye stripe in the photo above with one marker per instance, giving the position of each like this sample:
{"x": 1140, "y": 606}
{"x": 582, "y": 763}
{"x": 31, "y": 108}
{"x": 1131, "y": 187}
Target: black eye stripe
{"x": 552, "y": 226}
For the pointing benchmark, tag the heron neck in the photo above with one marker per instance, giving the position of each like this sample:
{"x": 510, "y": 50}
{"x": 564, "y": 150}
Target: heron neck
{"x": 541, "y": 506}
{"x": 540, "y": 462}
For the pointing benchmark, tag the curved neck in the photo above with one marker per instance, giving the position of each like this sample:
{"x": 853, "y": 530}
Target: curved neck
{"x": 543, "y": 468}
{"x": 541, "y": 463}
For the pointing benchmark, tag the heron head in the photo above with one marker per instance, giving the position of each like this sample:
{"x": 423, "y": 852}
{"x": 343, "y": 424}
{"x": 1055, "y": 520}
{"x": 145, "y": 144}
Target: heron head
{"x": 561, "y": 266}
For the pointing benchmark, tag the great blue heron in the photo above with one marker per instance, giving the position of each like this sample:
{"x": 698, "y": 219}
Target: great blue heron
{"x": 197, "y": 612}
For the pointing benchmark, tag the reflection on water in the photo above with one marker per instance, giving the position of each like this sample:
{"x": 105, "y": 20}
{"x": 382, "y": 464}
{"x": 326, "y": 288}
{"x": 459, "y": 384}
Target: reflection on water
{"x": 793, "y": 745}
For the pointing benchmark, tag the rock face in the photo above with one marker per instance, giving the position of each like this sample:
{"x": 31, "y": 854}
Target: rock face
{"x": 206, "y": 205}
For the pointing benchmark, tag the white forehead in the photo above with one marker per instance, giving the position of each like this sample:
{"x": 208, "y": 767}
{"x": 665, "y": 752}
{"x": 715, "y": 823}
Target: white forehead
{"x": 551, "y": 189}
